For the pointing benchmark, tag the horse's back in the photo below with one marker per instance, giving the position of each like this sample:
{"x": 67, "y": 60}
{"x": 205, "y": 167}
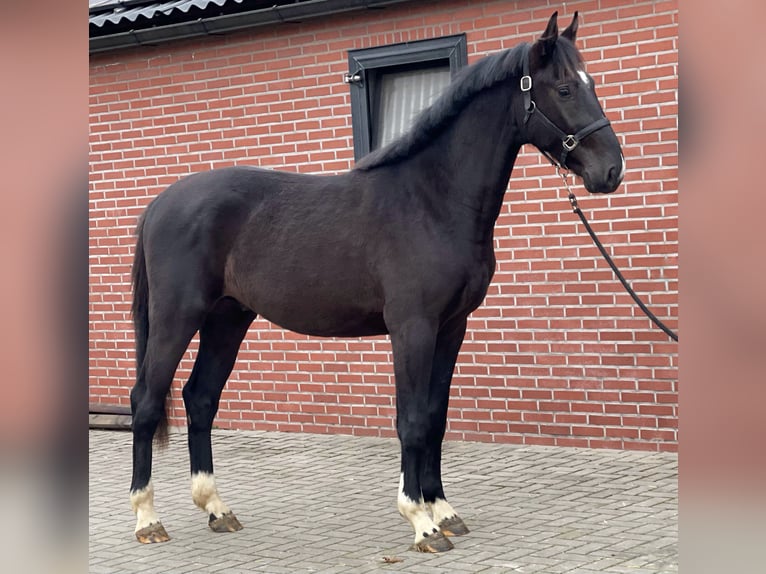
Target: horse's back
{"x": 281, "y": 243}
{"x": 215, "y": 204}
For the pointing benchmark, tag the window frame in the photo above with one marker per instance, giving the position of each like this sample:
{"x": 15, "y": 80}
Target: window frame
{"x": 369, "y": 63}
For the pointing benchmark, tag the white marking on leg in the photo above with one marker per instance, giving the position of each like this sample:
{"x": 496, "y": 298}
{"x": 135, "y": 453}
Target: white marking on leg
{"x": 415, "y": 513}
{"x": 142, "y": 502}
{"x": 205, "y": 494}
{"x": 441, "y": 510}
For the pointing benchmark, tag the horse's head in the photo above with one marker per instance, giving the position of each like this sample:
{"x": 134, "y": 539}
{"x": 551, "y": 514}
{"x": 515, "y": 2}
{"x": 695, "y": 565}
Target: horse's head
{"x": 563, "y": 117}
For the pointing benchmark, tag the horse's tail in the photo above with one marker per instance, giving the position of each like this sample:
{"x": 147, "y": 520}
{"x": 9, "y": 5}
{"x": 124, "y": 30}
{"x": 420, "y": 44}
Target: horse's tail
{"x": 140, "y": 312}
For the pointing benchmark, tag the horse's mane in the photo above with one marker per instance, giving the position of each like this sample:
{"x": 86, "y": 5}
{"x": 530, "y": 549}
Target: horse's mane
{"x": 484, "y": 73}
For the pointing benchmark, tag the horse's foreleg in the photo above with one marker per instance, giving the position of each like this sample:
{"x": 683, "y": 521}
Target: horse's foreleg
{"x": 445, "y": 517}
{"x": 448, "y": 344}
{"x": 220, "y": 338}
{"x": 413, "y": 343}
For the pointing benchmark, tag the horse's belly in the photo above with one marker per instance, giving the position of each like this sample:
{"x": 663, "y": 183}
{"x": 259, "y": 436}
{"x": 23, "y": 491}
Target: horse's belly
{"x": 338, "y": 325}
{"x": 333, "y": 306}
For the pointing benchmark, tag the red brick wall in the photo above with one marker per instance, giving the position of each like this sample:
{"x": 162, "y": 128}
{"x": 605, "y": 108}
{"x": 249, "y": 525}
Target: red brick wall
{"x": 558, "y": 354}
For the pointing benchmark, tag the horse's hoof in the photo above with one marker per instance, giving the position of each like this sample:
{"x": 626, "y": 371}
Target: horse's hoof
{"x": 224, "y": 523}
{"x": 435, "y": 542}
{"x": 152, "y": 534}
{"x": 453, "y": 526}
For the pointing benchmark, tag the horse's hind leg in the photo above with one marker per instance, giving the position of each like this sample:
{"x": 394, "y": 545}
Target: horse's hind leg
{"x": 170, "y": 334}
{"x": 220, "y": 337}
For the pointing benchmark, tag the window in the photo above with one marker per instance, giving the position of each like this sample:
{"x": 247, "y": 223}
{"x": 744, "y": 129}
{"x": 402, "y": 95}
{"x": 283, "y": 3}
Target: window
{"x": 391, "y": 84}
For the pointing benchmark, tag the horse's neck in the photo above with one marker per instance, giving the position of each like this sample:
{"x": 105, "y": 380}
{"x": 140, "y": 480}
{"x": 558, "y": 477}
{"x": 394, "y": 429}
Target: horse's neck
{"x": 475, "y": 156}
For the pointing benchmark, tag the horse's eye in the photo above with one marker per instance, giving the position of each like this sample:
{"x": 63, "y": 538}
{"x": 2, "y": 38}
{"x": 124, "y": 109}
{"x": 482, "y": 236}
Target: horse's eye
{"x": 564, "y": 91}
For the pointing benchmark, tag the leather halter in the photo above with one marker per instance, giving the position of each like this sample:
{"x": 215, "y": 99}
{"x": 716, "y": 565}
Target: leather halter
{"x": 568, "y": 141}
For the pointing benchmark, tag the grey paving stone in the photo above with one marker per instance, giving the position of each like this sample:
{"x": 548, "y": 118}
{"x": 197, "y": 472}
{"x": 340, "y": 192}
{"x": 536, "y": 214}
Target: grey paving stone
{"x": 327, "y": 504}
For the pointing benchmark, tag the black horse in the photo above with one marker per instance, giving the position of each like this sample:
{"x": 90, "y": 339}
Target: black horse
{"x": 402, "y": 244}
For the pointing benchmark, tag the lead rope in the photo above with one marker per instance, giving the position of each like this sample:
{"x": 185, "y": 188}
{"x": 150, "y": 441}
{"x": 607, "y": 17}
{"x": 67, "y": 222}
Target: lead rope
{"x": 576, "y": 208}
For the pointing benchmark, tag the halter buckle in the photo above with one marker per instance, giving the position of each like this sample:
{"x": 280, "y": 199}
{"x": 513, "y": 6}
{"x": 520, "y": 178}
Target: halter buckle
{"x": 526, "y": 83}
{"x": 569, "y": 143}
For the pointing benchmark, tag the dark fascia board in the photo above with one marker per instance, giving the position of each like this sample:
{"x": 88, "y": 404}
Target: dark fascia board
{"x": 290, "y": 13}
{"x": 452, "y": 48}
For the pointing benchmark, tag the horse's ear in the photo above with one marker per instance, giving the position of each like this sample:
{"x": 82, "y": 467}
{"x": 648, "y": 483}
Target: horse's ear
{"x": 570, "y": 33}
{"x": 551, "y": 34}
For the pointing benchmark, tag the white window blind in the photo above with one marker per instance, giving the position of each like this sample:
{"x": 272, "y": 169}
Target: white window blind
{"x": 402, "y": 96}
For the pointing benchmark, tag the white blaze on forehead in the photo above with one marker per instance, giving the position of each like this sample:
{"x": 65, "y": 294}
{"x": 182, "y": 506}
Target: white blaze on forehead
{"x": 584, "y": 77}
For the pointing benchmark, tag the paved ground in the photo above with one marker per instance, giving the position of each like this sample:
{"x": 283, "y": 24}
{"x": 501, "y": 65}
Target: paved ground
{"x": 313, "y": 503}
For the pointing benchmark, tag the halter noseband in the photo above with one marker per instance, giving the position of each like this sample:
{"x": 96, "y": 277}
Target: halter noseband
{"x": 568, "y": 141}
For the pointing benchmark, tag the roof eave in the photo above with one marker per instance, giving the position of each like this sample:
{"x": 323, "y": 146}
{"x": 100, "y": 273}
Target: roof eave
{"x": 285, "y": 14}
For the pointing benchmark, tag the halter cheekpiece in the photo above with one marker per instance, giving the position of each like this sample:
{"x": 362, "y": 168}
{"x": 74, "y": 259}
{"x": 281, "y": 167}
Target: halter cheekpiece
{"x": 568, "y": 141}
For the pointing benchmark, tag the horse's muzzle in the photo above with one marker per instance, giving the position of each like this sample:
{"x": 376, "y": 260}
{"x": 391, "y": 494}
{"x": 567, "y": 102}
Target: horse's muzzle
{"x": 606, "y": 182}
